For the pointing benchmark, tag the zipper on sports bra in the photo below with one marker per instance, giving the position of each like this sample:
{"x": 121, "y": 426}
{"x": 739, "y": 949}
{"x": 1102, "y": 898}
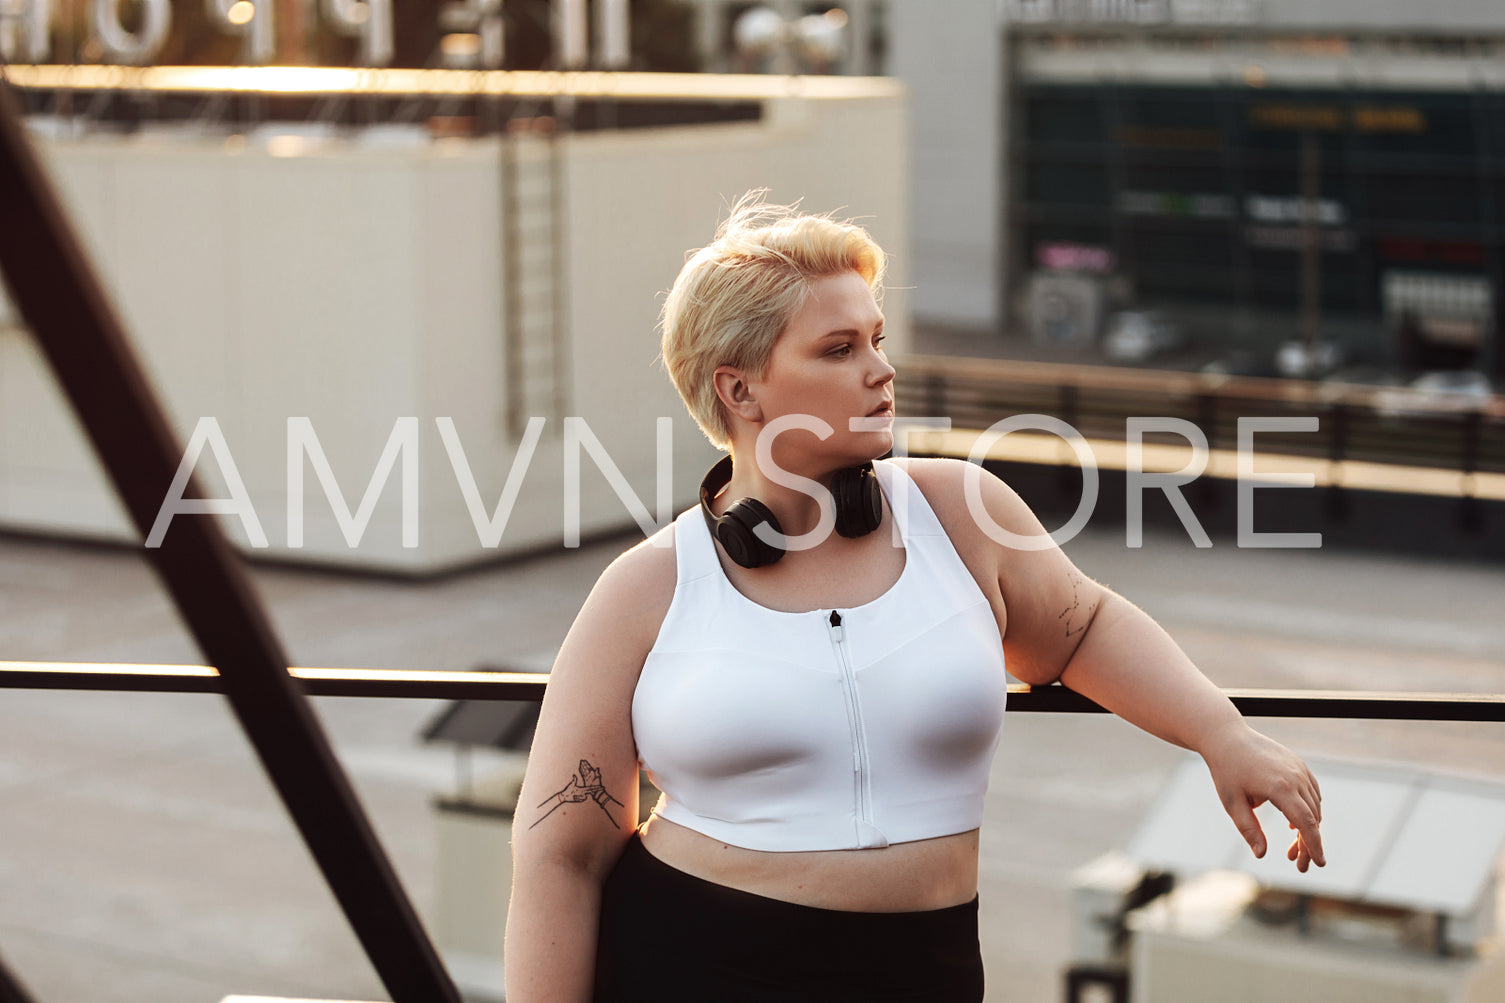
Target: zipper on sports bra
{"x": 861, "y": 793}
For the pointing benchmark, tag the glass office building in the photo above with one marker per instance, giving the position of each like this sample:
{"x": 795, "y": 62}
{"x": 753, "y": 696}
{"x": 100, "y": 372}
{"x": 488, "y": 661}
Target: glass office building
{"x": 1261, "y": 185}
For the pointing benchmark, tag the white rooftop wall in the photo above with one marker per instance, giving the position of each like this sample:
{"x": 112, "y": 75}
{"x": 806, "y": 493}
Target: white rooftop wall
{"x": 356, "y": 286}
{"x": 1388, "y": 15}
{"x": 947, "y": 54}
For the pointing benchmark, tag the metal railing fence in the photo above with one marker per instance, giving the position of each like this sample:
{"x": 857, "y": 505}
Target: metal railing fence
{"x": 529, "y": 686}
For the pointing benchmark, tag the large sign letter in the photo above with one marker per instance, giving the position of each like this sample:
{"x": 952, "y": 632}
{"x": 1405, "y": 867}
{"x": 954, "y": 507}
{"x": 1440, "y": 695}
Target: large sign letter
{"x": 368, "y": 20}
{"x": 120, "y": 45}
{"x": 1137, "y": 480}
{"x": 207, "y": 432}
{"x": 490, "y": 527}
{"x": 973, "y": 481}
{"x": 25, "y": 31}
{"x": 1248, "y": 480}
{"x": 302, "y": 440}
{"x": 763, "y": 454}
{"x": 251, "y": 20}
{"x": 899, "y": 503}
{"x": 576, "y": 434}
{"x": 482, "y": 18}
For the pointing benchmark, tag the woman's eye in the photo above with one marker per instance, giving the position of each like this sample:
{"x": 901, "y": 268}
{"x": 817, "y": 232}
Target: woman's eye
{"x": 841, "y": 350}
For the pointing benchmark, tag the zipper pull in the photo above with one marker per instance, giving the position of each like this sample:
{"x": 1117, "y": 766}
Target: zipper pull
{"x": 835, "y": 625}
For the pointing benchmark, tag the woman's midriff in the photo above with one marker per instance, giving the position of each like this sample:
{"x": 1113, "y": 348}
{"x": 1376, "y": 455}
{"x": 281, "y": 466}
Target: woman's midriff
{"x": 905, "y": 877}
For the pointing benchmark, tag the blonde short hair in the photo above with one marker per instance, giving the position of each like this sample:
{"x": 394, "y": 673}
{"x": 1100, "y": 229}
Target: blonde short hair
{"x": 735, "y": 296}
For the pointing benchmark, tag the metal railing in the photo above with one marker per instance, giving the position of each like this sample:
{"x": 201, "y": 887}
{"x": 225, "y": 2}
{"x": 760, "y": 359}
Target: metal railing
{"x": 501, "y": 685}
{"x": 1386, "y": 425}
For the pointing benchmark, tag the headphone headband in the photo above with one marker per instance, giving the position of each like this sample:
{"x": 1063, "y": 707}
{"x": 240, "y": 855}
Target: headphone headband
{"x": 854, "y": 490}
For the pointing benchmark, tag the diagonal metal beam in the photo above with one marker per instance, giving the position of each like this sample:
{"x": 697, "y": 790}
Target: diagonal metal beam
{"x": 63, "y": 303}
{"x": 12, "y": 991}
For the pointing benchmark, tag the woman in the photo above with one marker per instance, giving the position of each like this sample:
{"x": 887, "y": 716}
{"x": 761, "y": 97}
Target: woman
{"x": 819, "y": 708}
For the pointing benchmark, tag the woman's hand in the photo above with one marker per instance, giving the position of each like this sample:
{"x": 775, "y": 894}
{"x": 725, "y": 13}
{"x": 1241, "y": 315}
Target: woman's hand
{"x": 1249, "y": 769}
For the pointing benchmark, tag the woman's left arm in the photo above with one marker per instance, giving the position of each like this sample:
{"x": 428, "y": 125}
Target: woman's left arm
{"x": 1128, "y": 664}
{"x": 1061, "y": 625}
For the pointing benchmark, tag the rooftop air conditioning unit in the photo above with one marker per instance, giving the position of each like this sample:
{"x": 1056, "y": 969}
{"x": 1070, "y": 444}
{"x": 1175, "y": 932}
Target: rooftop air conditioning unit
{"x": 1405, "y": 911}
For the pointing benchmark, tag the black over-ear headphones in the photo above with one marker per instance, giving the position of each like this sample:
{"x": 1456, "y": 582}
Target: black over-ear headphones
{"x": 855, "y": 490}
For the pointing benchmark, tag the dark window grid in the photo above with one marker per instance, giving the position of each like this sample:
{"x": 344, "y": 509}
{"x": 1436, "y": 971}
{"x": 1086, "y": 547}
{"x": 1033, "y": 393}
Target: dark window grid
{"x": 1424, "y": 163}
{"x": 1185, "y": 229}
{"x": 1062, "y": 153}
{"x": 1171, "y": 111}
{"x": 1114, "y": 108}
{"x": 1172, "y": 255}
{"x": 1094, "y": 233}
{"x": 1489, "y": 113}
{"x": 1490, "y": 235}
{"x": 1246, "y": 157}
{"x": 1480, "y": 230}
{"x": 1176, "y": 158}
{"x": 1450, "y": 123}
{"x": 1451, "y": 119}
{"x": 1037, "y": 212}
{"x": 1180, "y": 276}
{"x": 1365, "y": 282}
{"x": 1280, "y": 285}
{"x": 1285, "y": 144}
{"x": 1064, "y": 121}
{"x": 1070, "y": 185}
{"x": 1285, "y": 181}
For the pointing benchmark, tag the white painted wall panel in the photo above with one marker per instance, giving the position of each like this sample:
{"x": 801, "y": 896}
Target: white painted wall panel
{"x": 356, "y": 286}
{"x": 948, "y": 57}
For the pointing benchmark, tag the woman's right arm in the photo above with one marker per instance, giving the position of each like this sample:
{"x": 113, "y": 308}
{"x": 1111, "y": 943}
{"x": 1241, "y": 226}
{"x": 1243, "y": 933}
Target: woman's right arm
{"x": 579, "y": 801}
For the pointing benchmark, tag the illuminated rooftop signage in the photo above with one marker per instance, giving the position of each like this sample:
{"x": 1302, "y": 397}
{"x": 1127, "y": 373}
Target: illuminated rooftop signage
{"x": 26, "y": 27}
{"x": 1133, "y": 11}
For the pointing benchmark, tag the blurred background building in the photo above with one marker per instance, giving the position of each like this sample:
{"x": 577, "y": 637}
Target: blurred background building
{"x": 1277, "y": 187}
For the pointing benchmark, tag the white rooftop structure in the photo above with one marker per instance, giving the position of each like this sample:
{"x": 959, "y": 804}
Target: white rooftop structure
{"x": 1393, "y": 835}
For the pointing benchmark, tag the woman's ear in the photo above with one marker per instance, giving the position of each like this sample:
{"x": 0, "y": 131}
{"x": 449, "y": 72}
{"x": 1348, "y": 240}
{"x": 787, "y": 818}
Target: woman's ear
{"x": 736, "y": 394}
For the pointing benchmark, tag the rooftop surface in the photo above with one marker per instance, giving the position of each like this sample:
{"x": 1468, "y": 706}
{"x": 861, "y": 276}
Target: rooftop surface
{"x": 144, "y": 856}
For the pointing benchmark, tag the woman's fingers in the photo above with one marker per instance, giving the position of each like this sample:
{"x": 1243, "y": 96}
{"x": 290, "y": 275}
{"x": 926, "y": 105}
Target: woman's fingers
{"x": 1248, "y": 825}
{"x": 1305, "y": 816}
{"x": 1248, "y": 770}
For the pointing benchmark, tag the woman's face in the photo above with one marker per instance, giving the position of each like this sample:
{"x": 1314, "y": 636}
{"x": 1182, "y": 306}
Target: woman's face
{"x": 829, "y": 364}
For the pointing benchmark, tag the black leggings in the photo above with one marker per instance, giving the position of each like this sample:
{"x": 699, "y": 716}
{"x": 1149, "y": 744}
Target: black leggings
{"x": 670, "y": 937}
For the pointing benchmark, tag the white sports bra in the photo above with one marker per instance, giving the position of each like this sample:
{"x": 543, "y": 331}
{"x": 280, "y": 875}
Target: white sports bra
{"x": 831, "y": 729}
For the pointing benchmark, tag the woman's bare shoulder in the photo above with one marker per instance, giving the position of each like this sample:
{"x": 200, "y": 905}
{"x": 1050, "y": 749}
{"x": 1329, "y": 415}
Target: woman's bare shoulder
{"x": 942, "y": 481}
{"x": 933, "y": 471}
{"x": 636, "y": 589}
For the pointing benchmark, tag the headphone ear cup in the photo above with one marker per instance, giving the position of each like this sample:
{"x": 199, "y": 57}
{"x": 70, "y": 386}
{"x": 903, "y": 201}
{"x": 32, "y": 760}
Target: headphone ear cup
{"x": 736, "y": 531}
{"x": 859, "y": 501}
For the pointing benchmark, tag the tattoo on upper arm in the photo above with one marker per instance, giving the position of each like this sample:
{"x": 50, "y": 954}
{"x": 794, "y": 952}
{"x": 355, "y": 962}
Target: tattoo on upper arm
{"x": 584, "y": 785}
{"x": 1075, "y": 618}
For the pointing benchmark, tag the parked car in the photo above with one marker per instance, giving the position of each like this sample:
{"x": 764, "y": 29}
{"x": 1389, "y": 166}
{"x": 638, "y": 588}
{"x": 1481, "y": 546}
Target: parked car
{"x": 1441, "y": 390}
{"x": 1140, "y": 335}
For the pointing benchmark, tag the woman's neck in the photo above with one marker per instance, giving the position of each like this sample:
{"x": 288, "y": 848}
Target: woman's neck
{"x": 792, "y": 504}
